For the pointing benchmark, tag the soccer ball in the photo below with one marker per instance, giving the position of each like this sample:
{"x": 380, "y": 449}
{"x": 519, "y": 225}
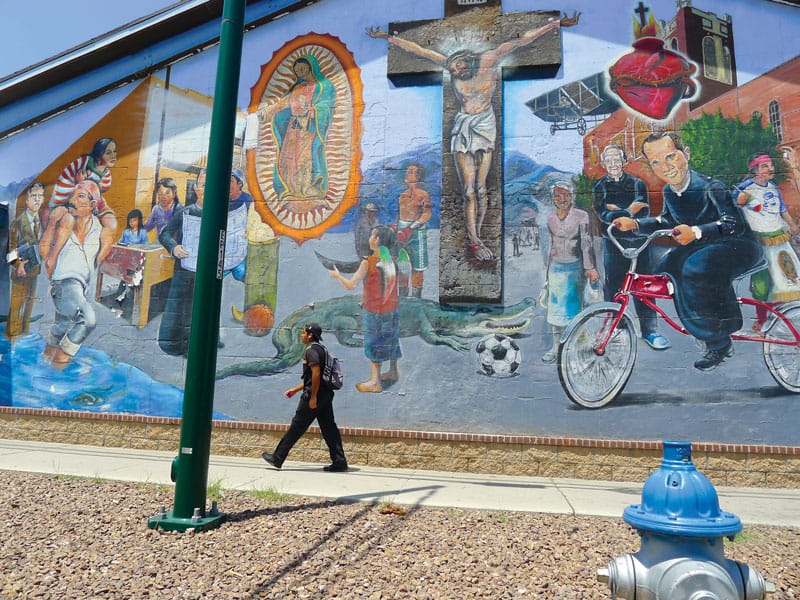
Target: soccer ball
{"x": 498, "y": 356}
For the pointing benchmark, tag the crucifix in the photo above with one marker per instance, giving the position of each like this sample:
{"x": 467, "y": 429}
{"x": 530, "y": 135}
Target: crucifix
{"x": 642, "y": 11}
{"x": 469, "y": 52}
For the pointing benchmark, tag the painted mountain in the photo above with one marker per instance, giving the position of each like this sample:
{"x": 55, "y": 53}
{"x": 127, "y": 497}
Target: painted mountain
{"x": 383, "y": 183}
{"x": 10, "y": 192}
{"x": 526, "y": 185}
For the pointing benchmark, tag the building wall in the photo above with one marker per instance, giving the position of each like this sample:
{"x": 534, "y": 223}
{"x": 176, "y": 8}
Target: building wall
{"x": 311, "y": 176}
{"x": 779, "y": 86}
{"x": 739, "y": 465}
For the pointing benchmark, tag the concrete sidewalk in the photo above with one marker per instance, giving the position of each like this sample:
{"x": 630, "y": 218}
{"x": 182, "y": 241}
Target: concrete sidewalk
{"x": 754, "y": 506}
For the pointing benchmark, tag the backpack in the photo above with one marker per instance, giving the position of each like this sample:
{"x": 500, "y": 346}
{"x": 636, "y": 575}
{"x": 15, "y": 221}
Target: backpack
{"x": 331, "y": 374}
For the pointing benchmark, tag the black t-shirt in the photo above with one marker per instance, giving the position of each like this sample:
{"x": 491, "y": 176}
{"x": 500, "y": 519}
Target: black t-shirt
{"x": 314, "y": 355}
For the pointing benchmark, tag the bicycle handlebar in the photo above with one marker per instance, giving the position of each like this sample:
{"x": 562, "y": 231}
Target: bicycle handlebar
{"x": 634, "y": 252}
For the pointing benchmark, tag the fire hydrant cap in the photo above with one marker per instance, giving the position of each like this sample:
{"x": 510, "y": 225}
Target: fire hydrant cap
{"x": 679, "y": 500}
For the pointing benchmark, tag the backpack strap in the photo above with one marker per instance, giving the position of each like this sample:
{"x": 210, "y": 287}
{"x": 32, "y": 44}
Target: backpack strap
{"x": 324, "y": 354}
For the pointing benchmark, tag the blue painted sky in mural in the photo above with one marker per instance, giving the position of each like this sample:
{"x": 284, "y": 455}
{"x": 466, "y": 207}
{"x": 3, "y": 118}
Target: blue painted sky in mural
{"x": 38, "y": 29}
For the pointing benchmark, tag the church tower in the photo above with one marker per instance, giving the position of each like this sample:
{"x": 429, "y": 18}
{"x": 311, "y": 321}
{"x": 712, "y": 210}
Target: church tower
{"x": 706, "y": 39}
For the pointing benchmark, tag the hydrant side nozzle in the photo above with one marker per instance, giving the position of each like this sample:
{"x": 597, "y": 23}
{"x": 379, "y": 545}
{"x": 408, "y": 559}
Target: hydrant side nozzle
{"x": 755, "y": 586}
{"x": 620, "y": 574}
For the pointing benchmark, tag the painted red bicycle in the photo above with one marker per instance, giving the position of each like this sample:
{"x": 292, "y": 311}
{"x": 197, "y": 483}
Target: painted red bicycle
{"x": 597, "y": 349}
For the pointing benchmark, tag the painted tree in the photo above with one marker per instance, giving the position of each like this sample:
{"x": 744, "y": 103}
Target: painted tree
{"x": 584, "y": 199}
{"x": 583, "y": 191}
{"x": 721, "y": 147}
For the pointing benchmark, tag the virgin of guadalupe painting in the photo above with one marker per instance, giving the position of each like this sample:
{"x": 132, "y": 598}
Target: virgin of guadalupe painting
{"x": 306, "y": 108}
{"x": 300, "y": 123}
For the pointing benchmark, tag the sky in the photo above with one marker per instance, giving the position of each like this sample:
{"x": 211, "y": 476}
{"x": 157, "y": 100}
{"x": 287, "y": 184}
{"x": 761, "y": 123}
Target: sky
{"x": 34, "y": 30}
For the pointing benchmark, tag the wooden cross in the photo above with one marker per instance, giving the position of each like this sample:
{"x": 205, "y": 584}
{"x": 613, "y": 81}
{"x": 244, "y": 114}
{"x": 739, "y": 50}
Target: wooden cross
{"x": 511, "y": 45}
{"x": 642, "y": 11}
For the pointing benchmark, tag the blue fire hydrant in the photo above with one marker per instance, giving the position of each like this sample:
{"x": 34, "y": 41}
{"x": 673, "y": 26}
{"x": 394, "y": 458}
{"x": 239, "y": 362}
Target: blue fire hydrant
{"x": 682, "y": 531}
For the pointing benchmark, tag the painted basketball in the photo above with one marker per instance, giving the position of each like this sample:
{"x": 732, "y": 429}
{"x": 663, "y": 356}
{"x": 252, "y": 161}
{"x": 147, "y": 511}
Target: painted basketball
{"x": 258, "y": 320}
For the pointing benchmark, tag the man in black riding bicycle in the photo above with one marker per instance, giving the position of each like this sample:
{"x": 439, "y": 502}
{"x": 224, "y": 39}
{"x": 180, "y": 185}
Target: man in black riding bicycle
{"x": 715, "y": 246}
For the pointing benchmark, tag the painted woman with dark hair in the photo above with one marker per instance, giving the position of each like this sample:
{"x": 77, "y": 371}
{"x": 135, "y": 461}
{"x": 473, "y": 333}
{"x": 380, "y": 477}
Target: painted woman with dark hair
{"x": 134, "y": 233}
{"x": 380, "y": 307}
{"x": 167, "y": 200}
{"x": 299, "y": 123}
{"x": 95, "y": 166}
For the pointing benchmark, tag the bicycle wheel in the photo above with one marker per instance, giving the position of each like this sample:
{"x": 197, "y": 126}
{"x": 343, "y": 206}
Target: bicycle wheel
{"x": 783, "y": 362}
{"x": 591, "y": 380}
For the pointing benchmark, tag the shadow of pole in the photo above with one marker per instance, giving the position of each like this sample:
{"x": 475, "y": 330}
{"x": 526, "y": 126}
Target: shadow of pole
{"x": 329, "y": 535}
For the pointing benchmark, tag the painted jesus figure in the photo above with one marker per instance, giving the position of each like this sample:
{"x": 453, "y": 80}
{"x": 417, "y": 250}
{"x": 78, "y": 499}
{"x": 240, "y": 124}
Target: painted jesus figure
{"x": 473, "y": 137}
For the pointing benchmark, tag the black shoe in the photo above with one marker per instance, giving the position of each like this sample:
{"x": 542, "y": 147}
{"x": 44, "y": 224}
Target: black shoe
{"x": 336, "y": 468}
{"x": 270, "y": 458}
{"x": 713, "y": 358}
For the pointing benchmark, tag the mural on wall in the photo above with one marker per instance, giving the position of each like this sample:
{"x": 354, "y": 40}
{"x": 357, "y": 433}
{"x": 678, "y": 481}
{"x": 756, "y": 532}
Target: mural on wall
{"x": 5, "y": 291}
{"x": 700, "y": 272}
{"x": 70, "y": 248}
{"x": 304, "y": 164}
{"x": 432, "y": 322}
{"x": 180, "y": 238}
{"x": 570, "y": 265}
{"x": 347, "y": 198}
{"x": 414, "y": 211}
{"x": 95, "y": 166}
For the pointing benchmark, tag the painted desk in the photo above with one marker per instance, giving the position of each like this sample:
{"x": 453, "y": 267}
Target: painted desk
{"x": 141, "y": 267}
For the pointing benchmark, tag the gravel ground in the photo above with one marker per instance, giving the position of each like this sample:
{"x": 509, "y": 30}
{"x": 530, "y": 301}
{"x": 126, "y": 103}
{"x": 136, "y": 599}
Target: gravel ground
{"x": 83, "y": 538}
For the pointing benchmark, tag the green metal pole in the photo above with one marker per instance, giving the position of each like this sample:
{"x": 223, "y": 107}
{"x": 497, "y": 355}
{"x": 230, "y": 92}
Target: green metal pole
{"x": 190, "y": 468}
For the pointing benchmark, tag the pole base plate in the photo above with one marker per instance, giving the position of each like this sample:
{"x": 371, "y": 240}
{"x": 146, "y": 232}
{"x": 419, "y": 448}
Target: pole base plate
{"x": 173, "y": 523}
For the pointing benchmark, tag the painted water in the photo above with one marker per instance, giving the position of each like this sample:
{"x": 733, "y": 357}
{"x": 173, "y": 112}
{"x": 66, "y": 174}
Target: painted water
{"x": 113, "y": 387}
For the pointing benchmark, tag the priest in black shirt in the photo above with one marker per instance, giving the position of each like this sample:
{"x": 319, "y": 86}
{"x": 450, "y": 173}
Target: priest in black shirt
{"x": 620, "y": 194}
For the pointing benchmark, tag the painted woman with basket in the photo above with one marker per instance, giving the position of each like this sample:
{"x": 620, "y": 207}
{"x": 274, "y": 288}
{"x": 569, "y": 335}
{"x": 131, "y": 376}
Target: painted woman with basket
{"x": 570, "y": 264}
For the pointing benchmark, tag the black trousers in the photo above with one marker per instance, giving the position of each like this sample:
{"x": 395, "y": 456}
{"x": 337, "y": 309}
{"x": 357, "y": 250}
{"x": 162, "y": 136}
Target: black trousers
{"x": 173, "y": 333}
{"x": 704, "y": 296}
{"x": 303, "y": 418}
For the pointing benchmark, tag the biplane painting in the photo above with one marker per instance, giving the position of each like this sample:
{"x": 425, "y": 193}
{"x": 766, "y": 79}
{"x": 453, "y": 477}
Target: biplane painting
{"x": 500, "y": 149}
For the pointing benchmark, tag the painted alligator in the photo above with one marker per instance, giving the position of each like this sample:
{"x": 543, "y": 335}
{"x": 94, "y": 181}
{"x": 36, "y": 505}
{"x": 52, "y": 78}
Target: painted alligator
{"x": 435, "y": 324}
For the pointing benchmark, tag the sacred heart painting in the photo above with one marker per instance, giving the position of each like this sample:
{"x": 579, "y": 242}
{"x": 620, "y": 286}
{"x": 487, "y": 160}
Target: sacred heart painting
{"x": 653, "y": 80}
{"x": 302, "y": 166}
